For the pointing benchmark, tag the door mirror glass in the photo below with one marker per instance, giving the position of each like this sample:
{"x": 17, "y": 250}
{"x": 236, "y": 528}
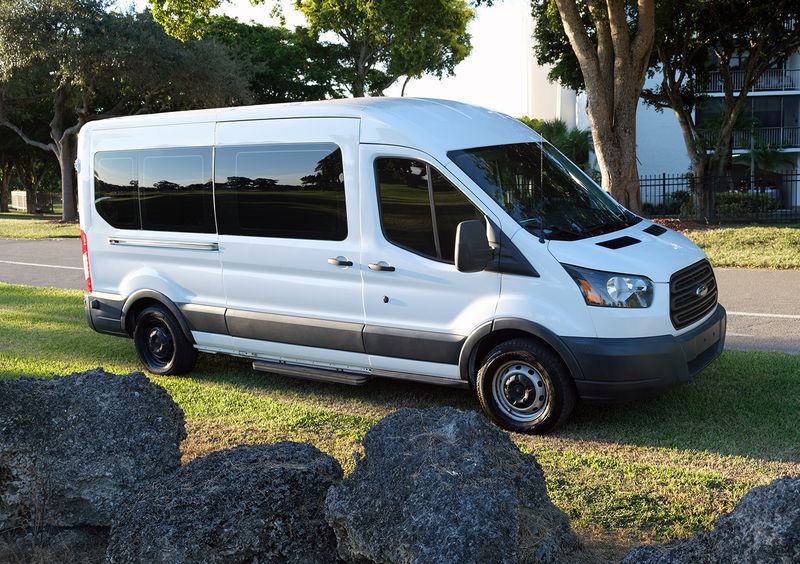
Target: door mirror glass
{"x": 473, "y": 252}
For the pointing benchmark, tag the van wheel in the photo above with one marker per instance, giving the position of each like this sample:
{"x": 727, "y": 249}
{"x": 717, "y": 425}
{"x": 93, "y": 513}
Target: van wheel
{"x": 524, "y": 387}
{"x": 161, "y": 344}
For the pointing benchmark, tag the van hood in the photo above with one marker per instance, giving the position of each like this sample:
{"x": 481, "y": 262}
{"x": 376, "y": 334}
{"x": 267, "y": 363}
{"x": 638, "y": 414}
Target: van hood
{"x": 654, "y": 256}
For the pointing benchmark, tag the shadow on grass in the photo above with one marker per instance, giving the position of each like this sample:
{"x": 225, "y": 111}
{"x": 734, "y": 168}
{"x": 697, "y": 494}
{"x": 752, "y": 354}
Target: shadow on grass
{"x": 745, "y": 403}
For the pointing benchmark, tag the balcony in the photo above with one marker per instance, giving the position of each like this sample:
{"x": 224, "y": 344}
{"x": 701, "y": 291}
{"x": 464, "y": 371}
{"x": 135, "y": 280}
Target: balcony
{"x": 778, "y": 137}
{"x": 771, "y": 80}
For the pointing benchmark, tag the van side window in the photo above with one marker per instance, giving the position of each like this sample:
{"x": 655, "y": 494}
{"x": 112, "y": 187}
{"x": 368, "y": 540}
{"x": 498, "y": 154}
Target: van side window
{"x": 175, "y": 190}
{"x": 116, "y": 190}
{"x": 155, "y": 189}
{"x": 420, "y": 208}
{"x": 293, "y": 191}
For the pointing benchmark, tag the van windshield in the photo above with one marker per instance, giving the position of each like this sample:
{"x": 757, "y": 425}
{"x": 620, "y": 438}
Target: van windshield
{"x": 543, "y": 190}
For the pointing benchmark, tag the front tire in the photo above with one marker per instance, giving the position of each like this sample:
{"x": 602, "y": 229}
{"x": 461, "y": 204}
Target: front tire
{"x": 524, "y": 387}
{"x": 161, "y": 343}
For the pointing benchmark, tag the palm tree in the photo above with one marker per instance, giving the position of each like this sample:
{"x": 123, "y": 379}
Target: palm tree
{"x": 574, "y": 143}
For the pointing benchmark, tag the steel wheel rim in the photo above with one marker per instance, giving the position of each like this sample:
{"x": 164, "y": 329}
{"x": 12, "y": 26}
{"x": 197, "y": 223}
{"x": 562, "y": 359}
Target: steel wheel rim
{"x": 520, "y": 392}
{"x": 159, "y": 344}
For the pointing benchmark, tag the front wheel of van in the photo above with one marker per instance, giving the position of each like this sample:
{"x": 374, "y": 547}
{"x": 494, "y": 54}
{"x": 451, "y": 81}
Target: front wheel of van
{"x": 524, "y": 387}
{"x": 161, "y": 344}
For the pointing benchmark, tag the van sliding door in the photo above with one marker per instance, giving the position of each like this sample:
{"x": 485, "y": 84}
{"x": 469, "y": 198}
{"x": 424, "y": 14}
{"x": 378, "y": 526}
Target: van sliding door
{"x": 286, "y": 197}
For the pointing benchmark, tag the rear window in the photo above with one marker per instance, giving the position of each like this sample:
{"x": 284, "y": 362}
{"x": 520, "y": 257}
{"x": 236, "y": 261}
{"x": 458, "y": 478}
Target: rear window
{"x": 156, "y": 189}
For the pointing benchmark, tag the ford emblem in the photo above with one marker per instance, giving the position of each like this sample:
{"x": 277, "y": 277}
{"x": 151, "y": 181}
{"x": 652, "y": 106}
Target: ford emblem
{"x": 701, "y": 291}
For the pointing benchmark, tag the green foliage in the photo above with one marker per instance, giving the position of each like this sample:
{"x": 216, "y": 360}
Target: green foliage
{"x": 378, "y": 41}
{"x": 551, "y": 45}
{"x": 675, "y": 203}
{"x": 766, "y": 157}
{"x": 739, "y": 205}
{"x": 282, "y": 65}
{"x": 74, "y": 61}
{"x": 184, "y": 19}
{"x": 574, "y": 143}
{"x": 386, "y": 39}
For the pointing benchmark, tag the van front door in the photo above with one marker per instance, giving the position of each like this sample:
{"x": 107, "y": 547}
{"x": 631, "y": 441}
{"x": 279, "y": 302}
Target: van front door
{"x": 419, "y": 309}
{"x": 287, "y": 207}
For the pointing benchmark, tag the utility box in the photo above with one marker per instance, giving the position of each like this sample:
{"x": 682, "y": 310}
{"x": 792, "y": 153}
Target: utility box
{"x": 19, "y": 201}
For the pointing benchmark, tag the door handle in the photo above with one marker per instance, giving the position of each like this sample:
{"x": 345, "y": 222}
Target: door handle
{"x": 381, "y": 266}
{"x": 340, "y": 261}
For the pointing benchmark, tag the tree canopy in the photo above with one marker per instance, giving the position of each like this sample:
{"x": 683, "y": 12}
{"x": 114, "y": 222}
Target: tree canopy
{"x": 85, "y": 62}
{"x": 378, "y": 41}
{"x": 694, "y": 40}
{"x": 388, "y": 39}
{"x": 282, "y": 65}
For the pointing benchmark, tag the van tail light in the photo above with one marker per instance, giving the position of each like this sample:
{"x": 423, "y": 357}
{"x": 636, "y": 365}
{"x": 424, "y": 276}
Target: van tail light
{"x": 87, "y": 274}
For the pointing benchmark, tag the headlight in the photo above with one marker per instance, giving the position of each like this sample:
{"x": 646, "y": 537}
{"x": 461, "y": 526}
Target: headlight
{"x": 609, "y": 289}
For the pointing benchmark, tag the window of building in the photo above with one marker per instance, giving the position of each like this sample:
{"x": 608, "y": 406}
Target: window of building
{"x": 421, "y": 209}
{"x": 289, "y": 191}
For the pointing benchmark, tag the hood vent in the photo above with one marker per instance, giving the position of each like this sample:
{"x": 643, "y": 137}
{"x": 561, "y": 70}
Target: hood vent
{"x": 655, "y": 230}
{"x": 619, "y": 242}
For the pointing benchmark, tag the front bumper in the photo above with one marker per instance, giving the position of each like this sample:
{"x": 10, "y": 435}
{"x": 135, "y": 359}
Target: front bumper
{"x": 627, "y": 369}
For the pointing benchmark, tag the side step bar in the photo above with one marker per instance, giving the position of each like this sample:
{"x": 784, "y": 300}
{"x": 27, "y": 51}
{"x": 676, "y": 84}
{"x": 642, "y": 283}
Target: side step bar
{"x": 312, "y": 373}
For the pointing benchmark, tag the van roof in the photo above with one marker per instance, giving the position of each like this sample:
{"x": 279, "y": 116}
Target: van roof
{"x": 414, "y": 122}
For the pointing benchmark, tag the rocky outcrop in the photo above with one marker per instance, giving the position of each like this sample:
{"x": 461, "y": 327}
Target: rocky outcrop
{"x": 259, "y": 503}
{"x": 442, "y": 485}
{"x": 763, "y": 527}
{"x": 73, "y": 448}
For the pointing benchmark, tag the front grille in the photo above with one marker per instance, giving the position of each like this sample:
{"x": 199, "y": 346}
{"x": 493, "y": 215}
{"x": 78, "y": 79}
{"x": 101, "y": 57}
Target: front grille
{"x": 686, "y": 305}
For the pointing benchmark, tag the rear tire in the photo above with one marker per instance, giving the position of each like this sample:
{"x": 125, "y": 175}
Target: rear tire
{"x": 162, "y": 346}
{"x": 524, "y": 387}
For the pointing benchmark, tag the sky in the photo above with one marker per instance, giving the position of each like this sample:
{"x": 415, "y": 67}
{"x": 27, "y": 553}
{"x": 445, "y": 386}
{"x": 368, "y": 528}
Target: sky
{"x": 495, "y": 75}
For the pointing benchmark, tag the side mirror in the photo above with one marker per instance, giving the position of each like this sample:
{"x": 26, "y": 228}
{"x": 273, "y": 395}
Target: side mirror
{"x": 473, "y": 252}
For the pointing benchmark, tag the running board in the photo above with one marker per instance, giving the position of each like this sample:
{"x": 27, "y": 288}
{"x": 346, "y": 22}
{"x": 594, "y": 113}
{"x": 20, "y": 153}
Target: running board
{"x": 312, "y": 373}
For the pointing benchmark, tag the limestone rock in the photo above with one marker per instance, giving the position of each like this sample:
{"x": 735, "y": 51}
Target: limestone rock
{"x": 256, "y": 504}
{"x": 442, "y": 485}
{"x": 763, "y": 527}
{"x": 73, "y": 448}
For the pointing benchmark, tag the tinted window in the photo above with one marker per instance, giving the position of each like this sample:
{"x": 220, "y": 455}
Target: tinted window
{"x": 405, "y": 204}
{"x": 289, "y": 191}
{"x": 405, "y": 190}
{"x": 452, "y": 207}
{"x": 116, "y": 195}
{"x": 175, "y": 190}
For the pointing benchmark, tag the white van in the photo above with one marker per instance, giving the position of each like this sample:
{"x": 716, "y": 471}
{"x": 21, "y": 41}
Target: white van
{"x": 404, "y": 238}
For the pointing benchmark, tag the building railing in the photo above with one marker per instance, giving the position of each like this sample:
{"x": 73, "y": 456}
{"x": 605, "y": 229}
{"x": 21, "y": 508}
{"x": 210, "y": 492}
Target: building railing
{"x": 767, "y": 198}
{"x": 772, "y": 79}
{"x": 778, "y": 137}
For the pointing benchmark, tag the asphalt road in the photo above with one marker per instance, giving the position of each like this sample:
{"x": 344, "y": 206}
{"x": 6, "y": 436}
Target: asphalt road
{"x": 763, "y": 305}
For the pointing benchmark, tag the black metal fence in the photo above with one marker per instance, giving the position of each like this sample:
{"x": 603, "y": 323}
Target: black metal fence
{"x": 767, "y": 198}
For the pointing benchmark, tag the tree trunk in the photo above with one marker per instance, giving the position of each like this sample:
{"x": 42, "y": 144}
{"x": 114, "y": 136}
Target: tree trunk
{"x": 613, "y": 64}
{"x": 616, "y": 155}
{"x": 5, "y": 184}
{"x": 66, "y": 161}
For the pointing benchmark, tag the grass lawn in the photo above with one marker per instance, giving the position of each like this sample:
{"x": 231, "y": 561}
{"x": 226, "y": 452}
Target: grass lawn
{"x": 647, "y": 471}
{"x": 753, "y": 246}
{"x": 26, "y": 226}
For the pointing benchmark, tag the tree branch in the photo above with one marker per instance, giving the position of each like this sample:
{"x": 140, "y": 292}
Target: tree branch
{"x": 643, "y": 43}
{"x": 28, "y": 140}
